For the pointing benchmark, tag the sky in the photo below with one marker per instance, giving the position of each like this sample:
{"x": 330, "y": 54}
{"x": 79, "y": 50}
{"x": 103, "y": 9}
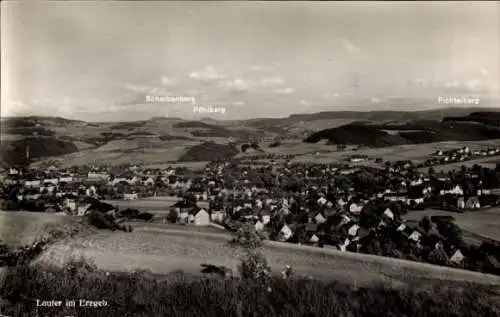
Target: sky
{"x": 97, "y": 61}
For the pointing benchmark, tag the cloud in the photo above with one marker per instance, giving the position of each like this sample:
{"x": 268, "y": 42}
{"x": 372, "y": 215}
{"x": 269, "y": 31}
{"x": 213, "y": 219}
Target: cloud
{"x": 207, "y": 74}
{"x": 350, "y": 47}
{"x": 305, "y": 103}
{"x": 452, "y": 84}
{"x": 421, "y": 81}
{"x": 474, "y": 84}
{"x": 271, "y": 81}
{"x": 263, "y": 68}
{"x": 238, "y": 103}
{"x": 136, "y": 88}
{"x": 236, "y": 85}
{"x": 61, "y": 106}
{"x": 484, "y": 72}
{"x": 165, "y": 81}
{"x": 330, "y": 95}
{"x": 375, "y": 100}
{"x": 284, "y": 91}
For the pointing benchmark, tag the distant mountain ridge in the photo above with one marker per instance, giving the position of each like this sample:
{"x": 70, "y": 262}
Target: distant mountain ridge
{"x": 55, "y": 136}
{"x": 474, "y": 126}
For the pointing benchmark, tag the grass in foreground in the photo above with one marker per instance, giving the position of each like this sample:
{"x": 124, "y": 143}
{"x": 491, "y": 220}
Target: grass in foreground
{"x": 180, "y": 295}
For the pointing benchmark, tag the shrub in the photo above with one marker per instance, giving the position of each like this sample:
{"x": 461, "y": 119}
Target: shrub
{"x": 182, "y": 295}
{"x": 247, "y": 237}
{"x": 254, "y": 266}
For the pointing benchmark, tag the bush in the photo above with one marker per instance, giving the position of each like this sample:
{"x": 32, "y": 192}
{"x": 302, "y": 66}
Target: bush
{"x": 247, "y": 237}
{"x": 182, "y": 295}
{"x": 254, "y": 266}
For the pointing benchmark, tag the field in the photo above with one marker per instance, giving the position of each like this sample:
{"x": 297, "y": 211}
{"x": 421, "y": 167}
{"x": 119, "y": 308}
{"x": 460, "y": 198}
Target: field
{"x": 21, "y": 228}
{"x": 484, "y": 223}
{"x": 163, "y": 249}
{"x": 155, "y": 206}
{"x": 414, "y": 152}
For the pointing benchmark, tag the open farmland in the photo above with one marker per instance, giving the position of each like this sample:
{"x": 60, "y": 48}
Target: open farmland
{"x": 414, "y": 152}
{"x": 488, "y": 162}
{"x": 484, "y": 223}
{"x": 154, "y": 206}
{"x": 21, "y": 228}
{"x": 172, "y": 250}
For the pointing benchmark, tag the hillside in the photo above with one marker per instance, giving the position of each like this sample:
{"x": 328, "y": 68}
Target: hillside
{"x": 14, "y": 151}
{"x": 209, "y": 151}
{"x": 487, "y": 118}
{"x": 147, "y": 141}
{"x": 409, "y": 132}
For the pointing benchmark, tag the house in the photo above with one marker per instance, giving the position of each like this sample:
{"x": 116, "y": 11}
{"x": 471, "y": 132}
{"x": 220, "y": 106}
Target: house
{"x": 266, "y": 218}
{"x": 83, "y": 209}
{"x": 148, "y": 181}
{"x": 259, "y": 225}
{"x": 388, "y": 213}
{"x": 322, "y": 201}
{"x": 130, "y": 196}
{"x": 70, "y": 204}
{"x": 353, "y": 230}
{"x": 344, "y": 245}
{"x": 314, "y": 239}
{"x": 355, "y": 208}
{"x": 319, "y": 218}
{"x": 51, "y": 181}
{"x": 97, "y": 175}
{"x": 461, "y": 203}
{"x": 457, "y": 257}
{"x": 217, "y": 215}
{"x": 415, "y": 236}
{"x": 66, "y": 179}
{"x": 472, "y": 203}
{"x": 285, "y": 233}
{"x": 199, "y": 217}
{"x": 32, "y": 183}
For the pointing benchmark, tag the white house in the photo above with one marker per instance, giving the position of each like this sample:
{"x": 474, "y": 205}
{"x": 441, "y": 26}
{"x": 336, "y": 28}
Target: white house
{"x": 343, "y": 246}
{"x": 461, "y": 203}
{"x": 266, "y": 219}
{"x": 314, "y": 239}
{"x": 130, "y": 196}
{"x": 217, "y": 216}
{"x": 415, "y": 236}
{"x": 66, "y": 179}
{"x": 388, "y": 213}
{"x": 321, "y": 201}
{"x": 319, "y": 218}
{"x": 355, "y": 208}
{"x": 286, "y": 233}
{"x": 32, "y": 183}
{"x": 13, "y": 171}
{"x": 53, "y": 181}
{"x": 353, "y": 230}
{"x": 457, "y": 257}
{"x": 401, "y": 228}
{"x": 149, "y": 181}
{"x": 70, "y": 204}
{"x": 82, "y": 209}
{"x": 259, "y": 225}
{"x": 200, "y": 218}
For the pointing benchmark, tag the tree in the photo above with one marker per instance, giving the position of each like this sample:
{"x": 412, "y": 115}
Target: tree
{"x": 426, "y": 223}
{"x": 172, "y": 216}
{"x": 438, "y": 256}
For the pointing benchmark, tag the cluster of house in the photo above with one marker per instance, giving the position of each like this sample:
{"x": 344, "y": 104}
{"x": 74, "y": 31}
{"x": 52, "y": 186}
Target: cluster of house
{"x": 459, "y": 155}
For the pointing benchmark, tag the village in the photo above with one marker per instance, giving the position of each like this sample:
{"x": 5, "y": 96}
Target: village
{"x": 348, "y": 207}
